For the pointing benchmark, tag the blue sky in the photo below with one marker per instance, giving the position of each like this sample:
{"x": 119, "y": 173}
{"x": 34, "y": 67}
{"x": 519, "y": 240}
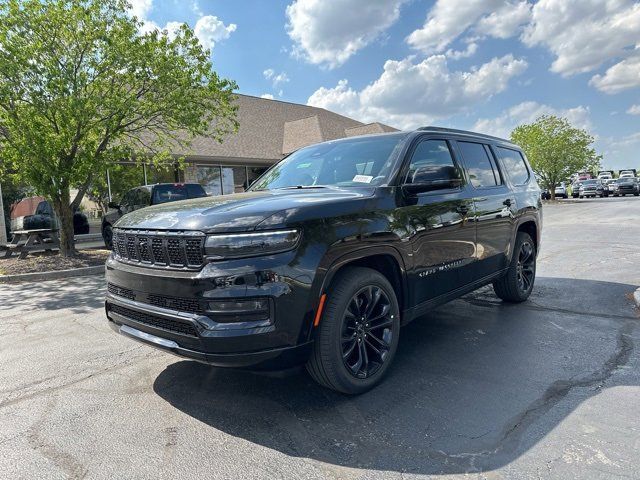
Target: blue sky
{"x": 484, "y": 65}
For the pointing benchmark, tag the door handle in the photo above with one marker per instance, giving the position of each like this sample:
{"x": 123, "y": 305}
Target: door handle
{"x": 508, "y": 202}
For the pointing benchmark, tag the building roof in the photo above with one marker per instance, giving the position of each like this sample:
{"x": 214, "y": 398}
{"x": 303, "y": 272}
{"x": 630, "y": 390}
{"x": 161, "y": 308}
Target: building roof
{"x": 270, "y": 129}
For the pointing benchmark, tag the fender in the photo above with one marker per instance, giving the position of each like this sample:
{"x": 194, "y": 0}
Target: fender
{"x": 527, "y": 217}
{"x": 329, "y": 267}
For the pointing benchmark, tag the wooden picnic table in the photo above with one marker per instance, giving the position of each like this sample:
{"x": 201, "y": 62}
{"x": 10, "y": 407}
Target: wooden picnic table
{"x": 25, "y": 241}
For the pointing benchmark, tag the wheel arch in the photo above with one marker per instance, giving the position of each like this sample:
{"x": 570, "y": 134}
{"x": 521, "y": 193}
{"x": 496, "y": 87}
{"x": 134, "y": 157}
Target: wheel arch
{"x": 529, "y": 225}
{"x": 384, "y": 259}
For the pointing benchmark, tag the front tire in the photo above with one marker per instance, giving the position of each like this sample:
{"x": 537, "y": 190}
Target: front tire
{"x": 516, "y": 285}
{"x": 358, "y": 333}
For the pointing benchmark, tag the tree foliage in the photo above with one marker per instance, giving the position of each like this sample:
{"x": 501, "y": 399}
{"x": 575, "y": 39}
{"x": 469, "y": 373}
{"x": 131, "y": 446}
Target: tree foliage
{"x": 556, "y": 149}
{"x": 81, "y": 87}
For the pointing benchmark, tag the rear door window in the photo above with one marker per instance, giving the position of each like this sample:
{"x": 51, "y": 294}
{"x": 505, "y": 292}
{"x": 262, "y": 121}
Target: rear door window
{"x": 481, "y": 168}
{"x": 514, "y": 164}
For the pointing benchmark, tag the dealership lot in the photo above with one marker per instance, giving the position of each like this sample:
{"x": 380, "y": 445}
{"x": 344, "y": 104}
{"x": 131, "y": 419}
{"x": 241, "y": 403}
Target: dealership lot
{"x": 546, "y": 389}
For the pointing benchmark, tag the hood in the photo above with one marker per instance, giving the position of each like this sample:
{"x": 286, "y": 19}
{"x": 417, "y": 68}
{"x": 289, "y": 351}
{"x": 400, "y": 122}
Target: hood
{"x": 236, "y": 212}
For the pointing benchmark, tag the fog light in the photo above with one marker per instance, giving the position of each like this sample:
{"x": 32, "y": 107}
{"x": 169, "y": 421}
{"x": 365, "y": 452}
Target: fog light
{"x": 240, "y": 310}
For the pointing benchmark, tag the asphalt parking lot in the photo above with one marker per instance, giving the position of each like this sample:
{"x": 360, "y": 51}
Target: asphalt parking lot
{"x": 546, "y": 389}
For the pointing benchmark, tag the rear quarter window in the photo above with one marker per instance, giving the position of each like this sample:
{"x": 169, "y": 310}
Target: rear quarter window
{"x": 514, "y": 165}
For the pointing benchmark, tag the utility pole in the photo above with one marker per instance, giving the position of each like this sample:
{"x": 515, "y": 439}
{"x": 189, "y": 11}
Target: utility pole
{"x": 3, "y": 230}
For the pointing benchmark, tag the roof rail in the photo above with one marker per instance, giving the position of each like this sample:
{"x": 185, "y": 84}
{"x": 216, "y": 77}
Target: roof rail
{"x": 464, "y": 132}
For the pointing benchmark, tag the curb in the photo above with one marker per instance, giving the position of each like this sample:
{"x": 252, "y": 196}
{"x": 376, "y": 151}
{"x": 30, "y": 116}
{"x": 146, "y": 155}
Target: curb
{"x": 636, "y": 297}
{"x": 56, "y": 274}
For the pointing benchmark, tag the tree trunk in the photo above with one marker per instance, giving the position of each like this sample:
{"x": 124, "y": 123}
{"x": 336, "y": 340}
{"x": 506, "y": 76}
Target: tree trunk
{"x": 64, "y": 212}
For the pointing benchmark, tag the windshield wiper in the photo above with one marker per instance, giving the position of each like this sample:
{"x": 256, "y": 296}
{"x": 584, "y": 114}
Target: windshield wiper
{"x": 301, "y": 187}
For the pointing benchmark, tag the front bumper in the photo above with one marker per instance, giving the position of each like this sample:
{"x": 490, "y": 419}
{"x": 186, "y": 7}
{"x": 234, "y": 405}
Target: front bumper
{"x": 182, "y": 324}
{"x": 274, "y": 359}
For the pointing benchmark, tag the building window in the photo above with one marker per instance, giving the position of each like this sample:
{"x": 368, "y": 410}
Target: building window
{"x": 208, "y": 177}
{"x": 222, "y": 179}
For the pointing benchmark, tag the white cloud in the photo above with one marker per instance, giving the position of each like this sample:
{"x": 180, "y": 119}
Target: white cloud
{"x": 629, "y": 140}
{"x": 527, "y": 112}
{"x": 268, "y": 96}
{"x": 634, "y": 110}
{"x": 448, "y": 19}
{"x": 140, "y": 8}
{"x": 329, "y": 32}
{"x": 471, "y": 49}
{"x": 506, "y": 21}
{"x": 583, "y": 34}
{"x": 276, "y": 79}
{"x": 407, "y": 94}
{"x": 621, "y": 76}
{"x": 209, "y": 30}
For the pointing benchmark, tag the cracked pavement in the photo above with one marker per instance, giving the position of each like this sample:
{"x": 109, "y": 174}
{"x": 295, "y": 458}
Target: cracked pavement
{"x": 479, "y": 389}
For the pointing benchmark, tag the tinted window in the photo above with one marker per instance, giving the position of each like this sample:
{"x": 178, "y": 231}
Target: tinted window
{"x": 44, "y": 209}
{"x": 143, "y": 197}
{"x": 127, "y": 200}
{"x": 479, "y": 166}
{"x": 195, "y": 191}
{"x": 169, "y": 193}
{"x": 431, "y": 160}
{"x": 514, "y": 164}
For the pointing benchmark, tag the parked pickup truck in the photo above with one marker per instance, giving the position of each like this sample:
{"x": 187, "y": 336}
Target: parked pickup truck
{"x": 34, "y": 213}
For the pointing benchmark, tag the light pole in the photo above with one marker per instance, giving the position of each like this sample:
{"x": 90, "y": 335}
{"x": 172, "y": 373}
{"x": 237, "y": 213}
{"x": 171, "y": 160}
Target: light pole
{"x": 3, "y": 230}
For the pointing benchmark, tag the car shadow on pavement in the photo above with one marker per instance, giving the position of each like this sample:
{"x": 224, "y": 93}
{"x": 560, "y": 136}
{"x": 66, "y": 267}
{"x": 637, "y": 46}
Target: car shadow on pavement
{"x": 474, "y": 385}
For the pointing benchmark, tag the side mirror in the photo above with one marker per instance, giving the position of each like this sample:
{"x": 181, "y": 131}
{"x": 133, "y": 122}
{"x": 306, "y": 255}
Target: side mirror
{"x": 430, "y": 185}
{"x": 113, "y": 205}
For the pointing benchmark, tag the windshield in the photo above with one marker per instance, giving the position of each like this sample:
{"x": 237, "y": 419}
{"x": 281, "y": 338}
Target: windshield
{"x": 589, "y": 182}
{"x": 345, "y": 163}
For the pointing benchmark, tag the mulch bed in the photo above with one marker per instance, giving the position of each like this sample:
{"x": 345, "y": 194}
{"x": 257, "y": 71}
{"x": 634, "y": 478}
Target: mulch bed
{"x": 51, "y": 261}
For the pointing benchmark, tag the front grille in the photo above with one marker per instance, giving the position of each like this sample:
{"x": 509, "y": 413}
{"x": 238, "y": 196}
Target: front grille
{"x": 175, "y": 303}
{"x": 155, "y": 321}
{"x": 183, "y": 250}
{"x": 121, "y": 292}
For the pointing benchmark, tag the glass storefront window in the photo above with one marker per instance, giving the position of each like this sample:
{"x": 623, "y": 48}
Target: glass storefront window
{"x": 221, "y": 179}
{"x": 209, "y": 178}
{"x": 233, "y": 179}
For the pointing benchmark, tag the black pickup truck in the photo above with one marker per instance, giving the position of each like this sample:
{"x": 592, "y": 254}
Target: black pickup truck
{"x": 328, "y": 253}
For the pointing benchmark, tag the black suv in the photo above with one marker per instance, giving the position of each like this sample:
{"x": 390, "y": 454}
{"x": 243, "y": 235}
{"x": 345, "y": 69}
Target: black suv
{"x": 328, "y": 253}
{"x": 146, "y": 195}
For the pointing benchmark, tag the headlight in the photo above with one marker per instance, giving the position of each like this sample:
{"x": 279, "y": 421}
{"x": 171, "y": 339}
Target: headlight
{"x": 241, "y": 245}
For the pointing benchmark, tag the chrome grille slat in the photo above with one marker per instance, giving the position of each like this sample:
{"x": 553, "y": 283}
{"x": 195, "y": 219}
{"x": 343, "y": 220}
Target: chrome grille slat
{"x": 161, "y": 249}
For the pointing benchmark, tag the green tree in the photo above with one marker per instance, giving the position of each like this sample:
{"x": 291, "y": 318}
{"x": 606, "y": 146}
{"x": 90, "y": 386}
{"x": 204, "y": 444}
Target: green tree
{"x": 556, "y": 149}
{"x": 81, "y": 87}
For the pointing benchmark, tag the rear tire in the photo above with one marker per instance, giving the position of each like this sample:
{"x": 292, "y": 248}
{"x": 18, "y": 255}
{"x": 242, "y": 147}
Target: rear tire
{"x": 350, "y": 336}
{"x": 516, "y": 285}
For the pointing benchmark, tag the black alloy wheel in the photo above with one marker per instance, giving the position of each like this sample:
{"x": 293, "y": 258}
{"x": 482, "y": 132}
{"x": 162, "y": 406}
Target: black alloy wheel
{"x": 526, "y": 267}
{"x": 517, "y": 283}
{"x": 357, "y": 337}
{"x": 367, "y": 331}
